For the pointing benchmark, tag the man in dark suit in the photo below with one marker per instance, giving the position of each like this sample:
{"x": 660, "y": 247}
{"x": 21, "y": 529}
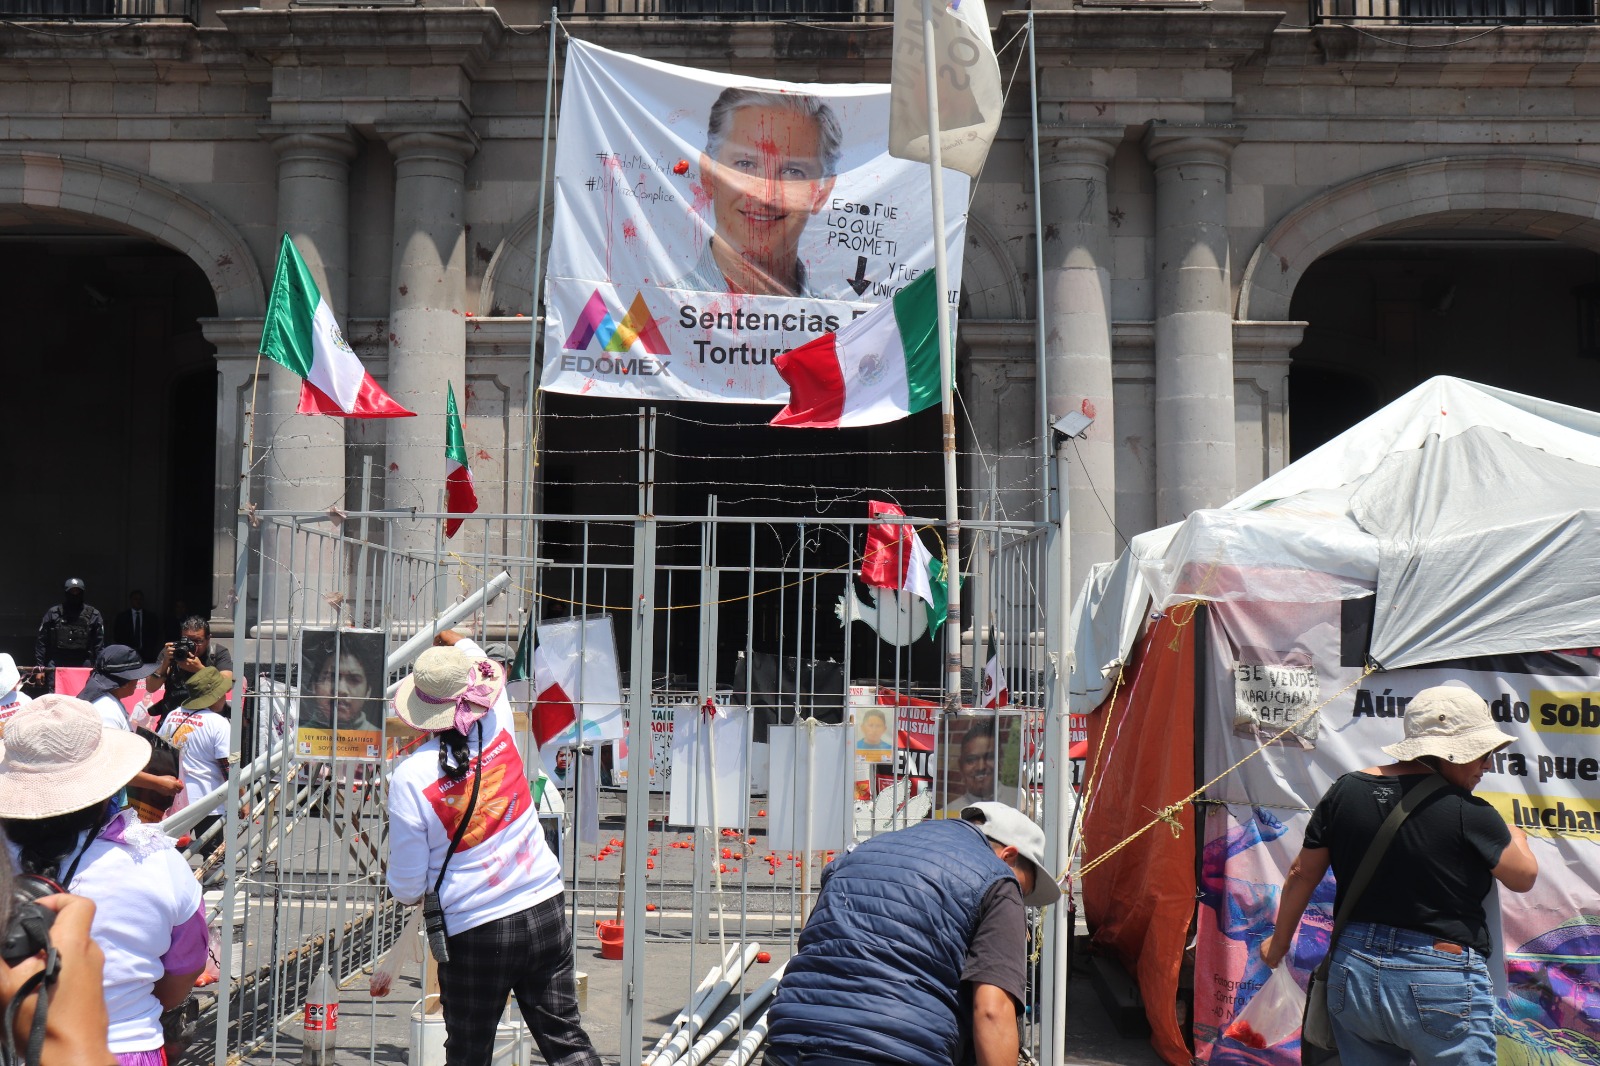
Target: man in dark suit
{"x": 138, "y": 627}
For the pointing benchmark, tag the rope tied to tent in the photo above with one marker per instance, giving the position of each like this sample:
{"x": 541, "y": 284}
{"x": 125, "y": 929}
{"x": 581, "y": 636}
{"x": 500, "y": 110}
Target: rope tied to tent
{"x": 1169, "y": 813}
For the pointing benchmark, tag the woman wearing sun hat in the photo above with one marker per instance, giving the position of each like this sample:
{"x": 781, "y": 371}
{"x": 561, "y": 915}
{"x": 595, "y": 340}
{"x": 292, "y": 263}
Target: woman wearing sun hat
{"x": 1409, "y": 977}
{"x": 462, "y": 823}
{"x": 59, "y": 773}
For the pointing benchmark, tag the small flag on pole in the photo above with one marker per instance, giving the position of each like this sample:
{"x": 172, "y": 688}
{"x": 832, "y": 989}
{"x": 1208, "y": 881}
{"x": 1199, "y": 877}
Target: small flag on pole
{"x": 895, "y": 558}
{"x": 460, "y": 498}
{"x": 996, "y": 693}
{"x": 300, "y": 334}
{"x": 879, "y": 368}
{"x": 970, "y": 96}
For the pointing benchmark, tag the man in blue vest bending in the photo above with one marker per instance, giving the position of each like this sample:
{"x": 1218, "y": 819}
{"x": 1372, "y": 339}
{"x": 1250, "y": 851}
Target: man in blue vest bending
{"x": 917, "y": 950}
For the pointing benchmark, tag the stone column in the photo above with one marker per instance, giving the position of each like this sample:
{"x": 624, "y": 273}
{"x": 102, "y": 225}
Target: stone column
{"x": 305, "y": 469}
{"x": 304, "y": 455}
{"x": 237, "y": 341}
{"x": 427, "y": 332}
{"x": 1194, "y": 318}
{"x": 1074, "y": 166}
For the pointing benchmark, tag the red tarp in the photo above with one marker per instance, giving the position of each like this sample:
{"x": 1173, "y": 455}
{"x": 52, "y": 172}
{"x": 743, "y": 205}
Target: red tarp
{"x": 1141, "y": 902}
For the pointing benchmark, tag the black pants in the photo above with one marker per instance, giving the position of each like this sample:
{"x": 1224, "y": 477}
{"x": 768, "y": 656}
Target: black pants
{"x": 528, "y": 954}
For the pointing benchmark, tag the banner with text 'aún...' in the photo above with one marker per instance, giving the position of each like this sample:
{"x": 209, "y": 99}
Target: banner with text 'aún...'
{"x": 705, "y": 223}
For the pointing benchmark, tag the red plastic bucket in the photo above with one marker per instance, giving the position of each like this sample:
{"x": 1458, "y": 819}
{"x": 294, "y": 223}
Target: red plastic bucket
{"x": 610, "y": 939}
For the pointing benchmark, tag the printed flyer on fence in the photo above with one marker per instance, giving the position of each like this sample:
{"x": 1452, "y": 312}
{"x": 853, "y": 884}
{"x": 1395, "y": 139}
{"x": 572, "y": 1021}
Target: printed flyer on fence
{"x": 706, "y": 223}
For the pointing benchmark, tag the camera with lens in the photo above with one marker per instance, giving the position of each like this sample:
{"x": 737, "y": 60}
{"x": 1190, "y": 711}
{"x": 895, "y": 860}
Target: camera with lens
{"x": 182, "y": 648}
{"x": 27, "y": 931}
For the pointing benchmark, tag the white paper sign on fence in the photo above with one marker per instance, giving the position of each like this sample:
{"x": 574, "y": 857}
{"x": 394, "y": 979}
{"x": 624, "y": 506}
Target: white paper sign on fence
{"x": 811, "y": 786}
{"x": 705, "y": 223}
{"x": 698, "y": 743}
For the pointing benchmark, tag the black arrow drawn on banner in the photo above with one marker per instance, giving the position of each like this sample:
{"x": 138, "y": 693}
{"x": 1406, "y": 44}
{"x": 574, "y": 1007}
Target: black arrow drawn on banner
{"x": 859, "y": 282}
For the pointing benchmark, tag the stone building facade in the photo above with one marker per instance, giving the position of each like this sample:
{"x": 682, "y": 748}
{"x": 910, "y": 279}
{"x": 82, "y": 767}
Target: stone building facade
{"x": 1238, "y": 209}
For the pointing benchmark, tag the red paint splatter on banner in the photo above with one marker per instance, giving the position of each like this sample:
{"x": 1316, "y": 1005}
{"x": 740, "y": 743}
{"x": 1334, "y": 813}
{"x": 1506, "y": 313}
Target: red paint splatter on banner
{"x": 630, "y": 232}
{"x": 681, "y": 167}
{"x": 1087, "y": 407}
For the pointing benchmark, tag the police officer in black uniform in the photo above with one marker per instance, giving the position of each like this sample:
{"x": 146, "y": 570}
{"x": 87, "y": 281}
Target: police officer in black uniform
{"x": 70, "y": 634}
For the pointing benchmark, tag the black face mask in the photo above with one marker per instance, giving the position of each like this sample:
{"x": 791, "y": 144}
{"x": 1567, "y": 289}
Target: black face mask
{"x": 73, "y": 602}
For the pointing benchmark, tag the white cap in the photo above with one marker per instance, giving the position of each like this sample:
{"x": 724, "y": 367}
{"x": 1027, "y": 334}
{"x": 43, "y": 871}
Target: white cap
{"x": 1009, "y": 827}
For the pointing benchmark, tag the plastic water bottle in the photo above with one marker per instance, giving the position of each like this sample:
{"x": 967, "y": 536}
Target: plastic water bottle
{"x": 321, "y": 1033}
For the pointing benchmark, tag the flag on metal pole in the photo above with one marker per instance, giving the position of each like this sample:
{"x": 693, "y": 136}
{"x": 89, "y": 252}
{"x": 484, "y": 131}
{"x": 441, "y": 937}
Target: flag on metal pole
{"x": 970, "y": 94}
{"x": 460, "y": 498}
{"x": 300, "y": 334}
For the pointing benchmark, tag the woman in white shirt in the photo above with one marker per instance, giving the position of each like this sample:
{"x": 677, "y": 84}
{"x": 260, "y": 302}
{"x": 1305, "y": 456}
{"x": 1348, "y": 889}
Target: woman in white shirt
{"x": 59, "y": 773}
{"x": 203, "y": 738}
{"x": 462, "y": 823}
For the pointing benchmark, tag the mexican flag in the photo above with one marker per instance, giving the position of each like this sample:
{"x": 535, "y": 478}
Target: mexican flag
{"x": 879, "y": 368}
{"x": 459, "y": 495}
{"x": 996, "y": 693}
{"x": 301, "y": 334}
{"x": 575, "y": 667}
{"x": 895, "y": 558}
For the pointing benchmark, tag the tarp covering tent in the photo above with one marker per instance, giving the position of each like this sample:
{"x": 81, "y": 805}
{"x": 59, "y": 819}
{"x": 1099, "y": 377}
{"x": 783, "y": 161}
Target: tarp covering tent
{"x": 1452, "y": 536}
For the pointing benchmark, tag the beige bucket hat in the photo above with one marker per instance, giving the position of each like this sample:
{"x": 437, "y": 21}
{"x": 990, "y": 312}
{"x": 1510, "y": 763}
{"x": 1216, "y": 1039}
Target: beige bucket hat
{"x": 57, "y": 758}
{"x": 1450, "y": 722}
{"x": 448, "y": 689}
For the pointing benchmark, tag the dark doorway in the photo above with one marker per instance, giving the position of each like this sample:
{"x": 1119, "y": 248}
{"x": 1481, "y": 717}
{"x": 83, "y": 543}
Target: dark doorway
{"x": 112, "y": 423}
{"x": 1489, "y": 306}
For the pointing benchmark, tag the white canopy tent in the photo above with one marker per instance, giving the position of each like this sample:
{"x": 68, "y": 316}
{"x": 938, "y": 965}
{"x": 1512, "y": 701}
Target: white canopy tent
{"x": 1471, "y": 513}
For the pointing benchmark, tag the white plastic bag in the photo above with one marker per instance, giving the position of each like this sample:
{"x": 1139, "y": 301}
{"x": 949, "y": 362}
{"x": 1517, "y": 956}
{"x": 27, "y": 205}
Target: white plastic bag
{"x": 1273, "y": 1014}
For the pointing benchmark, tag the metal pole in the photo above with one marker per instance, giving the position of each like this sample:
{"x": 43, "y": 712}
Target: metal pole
{"x": 538, "y": 268}
{"x": 1057, "y": 766}
{"x": 1057, "y": 739}
{"x": 1039, "y": 345}
{"x": 941, "y": 271}
{"x": 231, "y": 856}
{"x": 640, "y": 668}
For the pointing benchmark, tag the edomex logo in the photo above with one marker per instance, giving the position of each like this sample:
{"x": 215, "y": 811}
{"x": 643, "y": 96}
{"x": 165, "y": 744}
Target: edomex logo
{"x": 596, "y": 324}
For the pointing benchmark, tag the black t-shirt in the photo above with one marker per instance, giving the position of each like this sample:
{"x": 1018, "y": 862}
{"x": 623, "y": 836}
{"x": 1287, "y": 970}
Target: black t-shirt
{"x": 997, "y": 955}
{"x": 177, "y": 686}
{"x": 1437, "y": 870}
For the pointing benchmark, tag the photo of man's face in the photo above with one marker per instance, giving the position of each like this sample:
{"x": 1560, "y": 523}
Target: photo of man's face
{"x": 977, "y": 762}
{"x": 767, "y": 171}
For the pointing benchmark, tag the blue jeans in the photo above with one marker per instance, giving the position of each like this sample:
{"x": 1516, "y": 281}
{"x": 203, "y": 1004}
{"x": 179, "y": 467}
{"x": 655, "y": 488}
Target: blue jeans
{"x": 1394, "y": 997}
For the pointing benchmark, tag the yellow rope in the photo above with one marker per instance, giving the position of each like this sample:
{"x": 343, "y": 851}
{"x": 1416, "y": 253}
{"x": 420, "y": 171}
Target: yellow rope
{"x": 1168, "y": 814}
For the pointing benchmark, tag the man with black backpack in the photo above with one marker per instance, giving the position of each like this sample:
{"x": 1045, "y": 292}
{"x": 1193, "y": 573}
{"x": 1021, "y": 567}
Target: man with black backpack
{"x": 70, "y": 634}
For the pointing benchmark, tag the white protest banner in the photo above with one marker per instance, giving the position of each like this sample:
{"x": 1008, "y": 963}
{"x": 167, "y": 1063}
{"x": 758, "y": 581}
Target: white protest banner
{"x": 705, "y": 223}
{"x": 690, "y": 800}
{"x": 810, "y": 786}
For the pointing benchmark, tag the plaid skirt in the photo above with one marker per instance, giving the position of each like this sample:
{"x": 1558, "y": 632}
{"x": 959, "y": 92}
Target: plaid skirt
{"x": 528, "y": 955}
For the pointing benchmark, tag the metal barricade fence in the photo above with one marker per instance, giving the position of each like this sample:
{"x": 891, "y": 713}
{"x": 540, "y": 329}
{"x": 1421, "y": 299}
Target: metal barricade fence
{"x": 764, "y": 618}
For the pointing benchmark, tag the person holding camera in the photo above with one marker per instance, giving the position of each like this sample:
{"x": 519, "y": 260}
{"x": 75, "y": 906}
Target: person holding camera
{"x": 59, "y": 772}
{"x": 181, "y": 659}
{"x": 465, "y": 840}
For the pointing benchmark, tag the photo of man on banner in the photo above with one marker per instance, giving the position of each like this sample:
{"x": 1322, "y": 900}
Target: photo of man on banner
{"x": 769, "y": 166}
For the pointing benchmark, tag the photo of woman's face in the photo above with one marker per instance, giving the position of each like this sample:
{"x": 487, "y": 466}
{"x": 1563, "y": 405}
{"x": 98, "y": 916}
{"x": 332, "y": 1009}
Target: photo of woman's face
{"x": 341, "y": 686}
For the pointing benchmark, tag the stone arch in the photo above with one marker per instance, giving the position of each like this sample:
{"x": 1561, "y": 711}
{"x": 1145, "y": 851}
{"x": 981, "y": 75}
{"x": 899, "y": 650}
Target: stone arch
{"x": 507, "y": 285}
{"x": 991, "y": 286}
{"x": 1544, "y": 197}
{"x": 36, "y": 186}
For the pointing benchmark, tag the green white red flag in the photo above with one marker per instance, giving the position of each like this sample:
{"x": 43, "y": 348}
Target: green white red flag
{"x": 879, "y": 368}
{"x": 896, "y": 558}
{"x": 996, "y": 693}
{"x": 300, "y": 333}
{"x": 460, "y": 498}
